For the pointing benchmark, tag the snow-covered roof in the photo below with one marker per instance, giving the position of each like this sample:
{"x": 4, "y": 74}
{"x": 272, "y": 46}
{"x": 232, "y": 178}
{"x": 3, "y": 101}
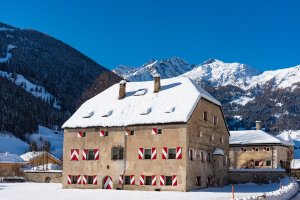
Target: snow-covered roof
{"x": 295, "y": 164}
{"x": 10, "y": 158}
{"x": 180, "y": 93}
{"x": 33, "y": 154}
{"x": 285, "y": 137}
{"x": 218, "y": 151}
{"x": 254, "y": 137}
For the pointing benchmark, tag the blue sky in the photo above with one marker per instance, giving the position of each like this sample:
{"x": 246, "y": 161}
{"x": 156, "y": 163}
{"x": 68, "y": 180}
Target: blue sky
{"x": 264, "y": 34}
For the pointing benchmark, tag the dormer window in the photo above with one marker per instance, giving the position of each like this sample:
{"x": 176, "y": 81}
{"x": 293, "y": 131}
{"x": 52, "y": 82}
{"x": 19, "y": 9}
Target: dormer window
{"x": 170, "y": 109}
{"x": 140, "y": 92}
{"x": 88, "y": 115}
{"x": 107, "y": 114}
{"x": 146, "y": 111}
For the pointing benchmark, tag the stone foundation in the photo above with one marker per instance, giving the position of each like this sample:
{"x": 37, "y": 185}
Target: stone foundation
{"x": 43, "y": 177}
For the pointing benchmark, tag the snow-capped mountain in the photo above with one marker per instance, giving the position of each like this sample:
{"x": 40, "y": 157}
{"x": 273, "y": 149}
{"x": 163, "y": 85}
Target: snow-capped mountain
{"x": 166, "y": 68}
{"x": 246, "y": 93}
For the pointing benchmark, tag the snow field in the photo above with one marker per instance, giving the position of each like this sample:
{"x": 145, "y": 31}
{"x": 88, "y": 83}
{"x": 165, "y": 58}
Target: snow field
{"x": 38, "y": 191}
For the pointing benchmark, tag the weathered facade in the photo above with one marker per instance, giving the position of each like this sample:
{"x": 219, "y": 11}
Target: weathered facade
{"x": 178, "y": 156}
{"x": 258, "y": 153}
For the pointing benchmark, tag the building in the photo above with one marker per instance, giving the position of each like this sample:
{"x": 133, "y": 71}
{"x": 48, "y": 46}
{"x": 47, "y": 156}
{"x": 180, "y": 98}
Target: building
{"x": 40, "y": 159}
{"x": 10, "y": 164}
{"x": 295, "y": 168}
{"x": 256, "y": 156}
{"x": 164, "y": 135}
{"x": 41, "y": 167}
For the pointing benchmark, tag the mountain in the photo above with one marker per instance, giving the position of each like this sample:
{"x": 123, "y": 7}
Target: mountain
{"x": 246, "y": 93}
{"x": 43, "y": 80}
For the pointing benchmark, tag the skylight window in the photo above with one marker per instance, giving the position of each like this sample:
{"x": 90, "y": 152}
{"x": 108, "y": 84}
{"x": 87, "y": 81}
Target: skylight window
{"x": 170, "y": 109}
{"x": 107, "y": 114}
{"x": 146, "y": 111}
{"x": 88, "y": 115}
{"x": 140, "y": 92}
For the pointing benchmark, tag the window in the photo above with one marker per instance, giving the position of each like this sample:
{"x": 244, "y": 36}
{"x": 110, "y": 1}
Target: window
{"x": 256, "y": 163}
{"x": 148, "y": 180}
{"x": 83, "y": 134}
{"x": 172, "y": 153}
{"x": 117, "y": 153}
{"x": 205, "y": 115}
{"x": 131, "y": 132}
{"x": 159, "y": 131}
{"x": 268, "y": 149}
{"x": 268, "y": 163}
{"x": 256, "y": 149}
{"x": 89, "y": 180}
{"x": 127, "y": 180}
{"x": 244, "y": 149}
{"x": 198, "y": 180}
{"x": 191, "y": 154}
{"x": 209, "y": 157}
{"x": 168, "y": 180}
{"x": 91, "y": 154}
{"x": 106, "y": 133}
{"x": 200, "y": 134}
{"x": 212, "y": 137}
{"x": 73, "y": 179}
{"x": 147, "y": 154}
{"x": 215, "y": 120}
{"x": 198, "y": 154}
{"x": 202, "y": 156}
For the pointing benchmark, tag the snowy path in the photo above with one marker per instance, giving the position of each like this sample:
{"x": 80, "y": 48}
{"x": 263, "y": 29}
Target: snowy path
{"x": 50, "y": 191}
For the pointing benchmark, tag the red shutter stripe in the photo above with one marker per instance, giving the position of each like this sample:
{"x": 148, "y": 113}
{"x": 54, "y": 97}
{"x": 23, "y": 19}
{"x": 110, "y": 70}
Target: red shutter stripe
{"x": 132, "y": 181}
{"x": 84, "y": 178}
{"x": 121, "y": 177}
{"x": 162, "y": 180}
{"x": 142, "y": 180}
{"x": 95, "y": 180}
{"x": 164, "y": 153}
{"x": 102, "y": 133}
{"x": 79, "y": 179}
{"x": 79, "y": 134}
{"x": 153, "y": 154}
{"x": 174, "y": 180}
{"x": 84, "y": 152}
{"x": 178, "y": 153}
{"x": 154, "y": 131}
{"x": 96, "y": 156}
{"x": 154, "y": 180}
{"x": 141, "y": 153}
{"x": 75, "y": 154}
{"x": 69, "y": 179}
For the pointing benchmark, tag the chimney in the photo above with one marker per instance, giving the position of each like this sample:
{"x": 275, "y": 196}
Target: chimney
{"x": 156, "y": 83}
{"x": 122, "y": 89}
{"x": 258, "y": 125}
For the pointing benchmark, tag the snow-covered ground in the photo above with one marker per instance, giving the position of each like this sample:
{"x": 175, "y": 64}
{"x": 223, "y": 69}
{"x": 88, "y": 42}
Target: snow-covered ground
{"x": 50, "y": 191}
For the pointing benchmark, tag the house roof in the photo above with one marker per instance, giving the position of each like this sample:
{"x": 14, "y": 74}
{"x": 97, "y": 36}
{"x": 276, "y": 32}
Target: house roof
{"x": 174, "y": 103}
{"x": 11, "y": 158}
{"x": 33, "y": 154}
{"x": 255, "y": 137}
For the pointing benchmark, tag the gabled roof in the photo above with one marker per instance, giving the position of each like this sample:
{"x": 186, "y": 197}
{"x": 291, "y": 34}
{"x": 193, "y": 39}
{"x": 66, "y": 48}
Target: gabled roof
{"x": 255, "y": 137}
{"x": 174, "y": 103}
{"x": 11, "y": 158}
{"x": 33, "y": 154}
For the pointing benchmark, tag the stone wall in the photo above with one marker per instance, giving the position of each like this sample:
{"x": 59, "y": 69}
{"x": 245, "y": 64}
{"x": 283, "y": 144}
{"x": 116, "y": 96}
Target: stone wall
{"x": 236, "y": 177}
{"x": 43, "y": 177}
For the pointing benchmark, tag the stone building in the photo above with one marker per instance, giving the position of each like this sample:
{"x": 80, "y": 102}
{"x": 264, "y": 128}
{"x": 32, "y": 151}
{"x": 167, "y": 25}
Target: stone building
{"x": 164, "y": 135}
{"x": 256, "y": 156}
{"x": 10, "y": 164}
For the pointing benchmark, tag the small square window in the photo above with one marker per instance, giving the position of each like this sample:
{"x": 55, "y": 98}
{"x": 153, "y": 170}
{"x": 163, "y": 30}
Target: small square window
{"x": 117, "y": 153}
{"x": 256, "y": 149}
{"x": 168, "y": 180}
{"x": 132, "y": 132}
{"x": 90, "y": 180}
{"x": 73, "y": 179}
{"x": 268, "y": 149}
{"x": 159, "y": 131}
{"x": 127, "y": 180}
{"x": 148, "y": 180}
{"x": 202, "y": 156}
{"x": 106, "y": 133}
{"x": 256, "y": 163}
{"x": 147, "y": 154}
{"x": 191, "y": 154}
{"x": 90, "y": 154}
{"x": 215, "y": 120}
{"x": 268, "y": 163}
{"x": 172, "y": 153}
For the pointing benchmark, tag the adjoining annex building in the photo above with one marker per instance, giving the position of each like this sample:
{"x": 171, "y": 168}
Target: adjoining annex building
{"x": 256, "y": 156}
{"x": 168, "y": 134}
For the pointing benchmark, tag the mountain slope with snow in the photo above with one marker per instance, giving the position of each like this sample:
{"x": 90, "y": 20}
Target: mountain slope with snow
{"x": 246, "y": 93}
